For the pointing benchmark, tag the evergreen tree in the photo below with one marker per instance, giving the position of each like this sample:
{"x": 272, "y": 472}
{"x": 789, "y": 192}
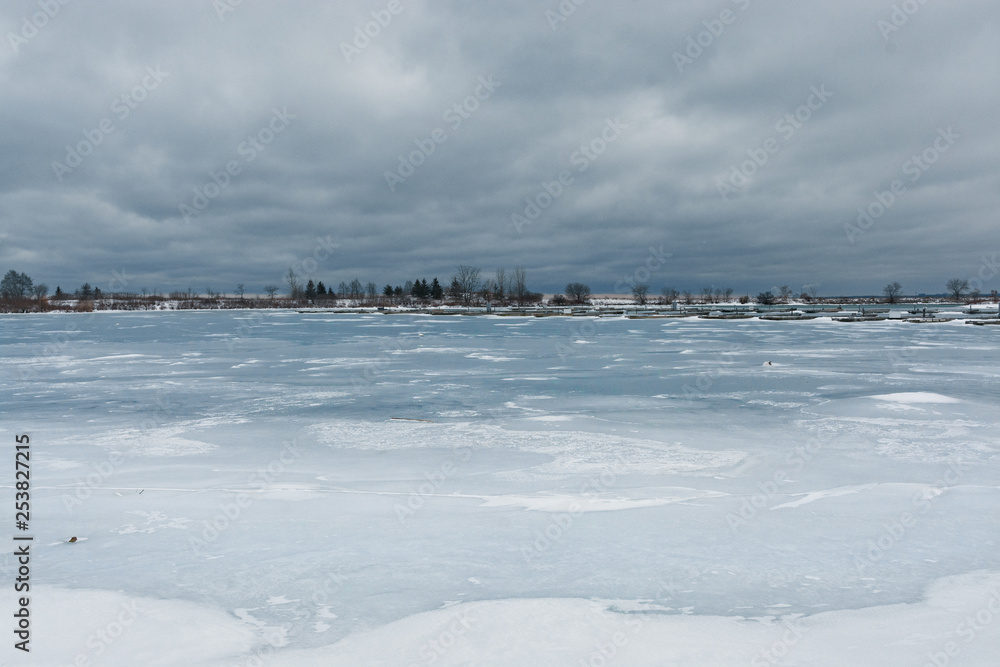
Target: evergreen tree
{"x": 320, "y": 289}
{"x": 436, "y": 291}
{"x": 455, "y": 289}
{"x": 310, "y": 290}
{"x": 85, "y": 293}
{"x": 387, "y": 290}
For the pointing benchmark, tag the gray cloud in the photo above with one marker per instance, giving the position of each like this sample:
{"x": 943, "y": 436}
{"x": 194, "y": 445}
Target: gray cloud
{"x": 657, "y": 184}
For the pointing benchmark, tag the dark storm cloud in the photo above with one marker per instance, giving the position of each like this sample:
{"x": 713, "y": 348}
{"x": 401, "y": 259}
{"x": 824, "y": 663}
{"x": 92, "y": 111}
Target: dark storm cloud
{"x": 738, "y": 136}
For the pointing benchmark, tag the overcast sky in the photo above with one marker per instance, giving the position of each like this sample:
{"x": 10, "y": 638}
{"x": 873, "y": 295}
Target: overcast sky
{"x": 668, "y": 123}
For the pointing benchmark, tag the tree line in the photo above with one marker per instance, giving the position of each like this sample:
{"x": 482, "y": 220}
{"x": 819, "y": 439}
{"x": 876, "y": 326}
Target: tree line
{"x": 468, "y": 286}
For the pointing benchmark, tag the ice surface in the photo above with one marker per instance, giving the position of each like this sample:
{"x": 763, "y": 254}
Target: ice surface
{"x": 257, "y": 483}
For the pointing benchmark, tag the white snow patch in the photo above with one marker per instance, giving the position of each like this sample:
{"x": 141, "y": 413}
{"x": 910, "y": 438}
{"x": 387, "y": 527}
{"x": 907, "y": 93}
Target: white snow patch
{"x": 916, "y": 397}
{"x": 559, "y": 631}
{"x": 279, "y": 599}
{"x": 828, "y": 493}
{"x": 593, "y": 503}
{"x": 68, "y": 626}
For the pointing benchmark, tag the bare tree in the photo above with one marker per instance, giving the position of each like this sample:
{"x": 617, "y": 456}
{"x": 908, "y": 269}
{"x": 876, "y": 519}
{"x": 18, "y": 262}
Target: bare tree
{"x": 40, "y": 291}
{"x": 688, "y": 297}
{"x": 501, "y": 285}
{"x": 488, "y": 290}
{"x": 957, "y": 287}
{"x": 469, "y": 283}
{"x": 271, "y": 290}
{"x": 578, "y": 292}
{"x": 294, "y": 287}
{"x": 640, "y": 292}
{"x": 16, "y": 286}
{"x": 785, "y": 293}
{"x": 371, "y": 289}
{"x": 706, "y": 294}
{"x": 668, "y": 295}
{"x": 240, "y": 290}
{"x": 519, "y": 285}
{"x": 727, "y": 293}
{"x": 892, "y": 292}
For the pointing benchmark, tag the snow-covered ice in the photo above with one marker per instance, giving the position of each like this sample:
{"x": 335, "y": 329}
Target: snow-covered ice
{"x": 287, "y": 488}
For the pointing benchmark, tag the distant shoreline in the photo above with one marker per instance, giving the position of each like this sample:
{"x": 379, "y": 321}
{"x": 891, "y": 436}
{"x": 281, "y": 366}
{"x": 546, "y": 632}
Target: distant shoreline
{"x": 859, "y": 310}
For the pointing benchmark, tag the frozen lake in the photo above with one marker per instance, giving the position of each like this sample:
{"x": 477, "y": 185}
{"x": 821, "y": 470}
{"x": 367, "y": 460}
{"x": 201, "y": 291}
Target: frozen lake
{"x": 253, "y": 487}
